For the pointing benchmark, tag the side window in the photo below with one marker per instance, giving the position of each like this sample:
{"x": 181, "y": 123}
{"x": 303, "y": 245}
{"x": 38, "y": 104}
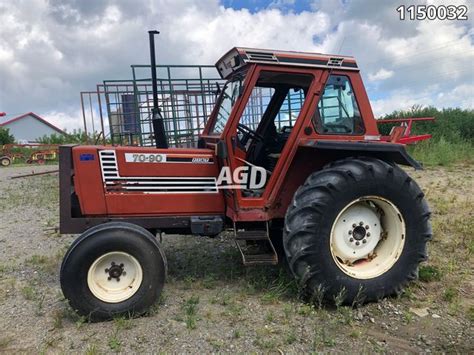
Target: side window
{"x": 290, "y": 109}
{"x": 256, "y": 106}
{"x": 273, "y": 107}
{"x": 337, "y": 108}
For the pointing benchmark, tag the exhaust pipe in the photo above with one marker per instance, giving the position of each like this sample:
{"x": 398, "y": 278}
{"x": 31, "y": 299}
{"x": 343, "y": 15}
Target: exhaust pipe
{"x": 157, "y": 118}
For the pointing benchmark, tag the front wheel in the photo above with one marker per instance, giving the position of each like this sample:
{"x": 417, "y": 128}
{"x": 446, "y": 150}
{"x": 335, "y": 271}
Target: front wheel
{"x": 113, "y": 269}
{"x": 5, "y": 161}
{"x": 356, "y": 231}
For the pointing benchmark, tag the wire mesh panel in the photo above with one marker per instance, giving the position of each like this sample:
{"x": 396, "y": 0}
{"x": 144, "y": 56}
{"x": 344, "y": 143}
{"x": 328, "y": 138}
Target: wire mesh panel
{"x": 123, "y": 116}
{"x": 186, "y": 98}
{"x": 92, "y": 115}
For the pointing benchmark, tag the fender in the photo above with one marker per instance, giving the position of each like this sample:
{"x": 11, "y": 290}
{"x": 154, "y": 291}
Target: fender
{"x": 384, "y": 151}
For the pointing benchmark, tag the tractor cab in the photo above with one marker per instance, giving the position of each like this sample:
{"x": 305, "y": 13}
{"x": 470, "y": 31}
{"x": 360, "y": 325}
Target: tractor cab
{"x": 273, "y": 106}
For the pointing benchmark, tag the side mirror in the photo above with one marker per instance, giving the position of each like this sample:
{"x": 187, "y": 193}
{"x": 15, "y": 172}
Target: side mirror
{"x": 221, "y": 150}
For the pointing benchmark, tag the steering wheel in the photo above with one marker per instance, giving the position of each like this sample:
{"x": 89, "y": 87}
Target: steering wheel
{"x": 248, "y": 133}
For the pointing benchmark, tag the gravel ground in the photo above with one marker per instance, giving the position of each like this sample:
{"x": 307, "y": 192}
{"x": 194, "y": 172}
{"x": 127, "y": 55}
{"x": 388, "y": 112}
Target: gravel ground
{"x": 212, "y": 303}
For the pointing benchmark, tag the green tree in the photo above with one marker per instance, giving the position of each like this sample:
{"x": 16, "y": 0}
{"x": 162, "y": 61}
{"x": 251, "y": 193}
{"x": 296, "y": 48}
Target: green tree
{"x": 5, "y": 136}
{"x": 77, "y": 136}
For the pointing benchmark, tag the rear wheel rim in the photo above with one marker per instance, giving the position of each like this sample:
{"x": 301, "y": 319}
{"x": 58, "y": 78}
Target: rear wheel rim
{"x": 5, "y": 162}
{"x": 367, "y": 237}
{"x": 114, "y": 277}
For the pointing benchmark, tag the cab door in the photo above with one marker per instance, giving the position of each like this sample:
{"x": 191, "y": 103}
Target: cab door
{"x": 264, "y": 128}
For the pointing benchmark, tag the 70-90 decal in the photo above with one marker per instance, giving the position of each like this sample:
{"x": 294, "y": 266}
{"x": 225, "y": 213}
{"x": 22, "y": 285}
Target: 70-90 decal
{"x": 145, "y": 158}
{"x": 163, "y": 158}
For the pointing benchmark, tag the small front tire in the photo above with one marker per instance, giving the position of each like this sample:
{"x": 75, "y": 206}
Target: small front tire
{"x": 5, "y": 161}
{"x": 112, "y": 270}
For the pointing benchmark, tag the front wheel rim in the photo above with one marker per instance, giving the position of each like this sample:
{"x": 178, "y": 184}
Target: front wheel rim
{"x": 114, "y": 277}
{"x": 367, "y": 237}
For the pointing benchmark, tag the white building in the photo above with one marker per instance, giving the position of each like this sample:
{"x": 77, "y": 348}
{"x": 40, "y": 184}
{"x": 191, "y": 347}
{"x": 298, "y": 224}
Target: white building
{"x": 30, "y": 127}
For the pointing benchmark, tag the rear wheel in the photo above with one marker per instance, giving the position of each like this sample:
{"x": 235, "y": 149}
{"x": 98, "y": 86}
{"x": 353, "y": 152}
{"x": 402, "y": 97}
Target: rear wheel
{"x": 113, "y": 269}
{"x": 356, "y": 231}
{"x": 367, "y": 237}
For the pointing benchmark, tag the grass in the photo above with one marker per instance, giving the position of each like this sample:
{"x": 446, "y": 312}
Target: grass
{"x": 5, "y": 342}
{"x": 470, "y": 313}
{"x": 429, "y": 273}
{"x": 279, "y": 288}
{"x": 48, "y": 264}
{"x": 114, "y": 342}
{"x": 346, "y": 315}
{"x": 123, "y": 323}
{"x": 40, "y": 304}
{"x": 44, "y": 189}
{"x": 270, "y": 317}
{"x": 265, "y": 343}
{"x": 340, "y": 297}
{"x": 236, "y": 334}
{"x": 450, "y": 293}
{"x": 28, "y": 292}
{"x": 217, "y": 344}
{"x": 322, "y": 339}
{"x": 190, "y": 312}
{"x": 443, "y": 152}
{"x": 355, "y": 333}
{"x": 58, "y": 316}
{"x": 305, "y": 310}
{"x": 92, "y": 349}
{"x": 290, "y": 337}
{"x": 37, "y": 260}
{"x": 4, "y": 269}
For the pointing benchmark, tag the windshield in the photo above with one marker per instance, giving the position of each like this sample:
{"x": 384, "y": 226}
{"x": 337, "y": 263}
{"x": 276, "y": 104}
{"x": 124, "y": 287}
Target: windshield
{"x": 229, "y": 97}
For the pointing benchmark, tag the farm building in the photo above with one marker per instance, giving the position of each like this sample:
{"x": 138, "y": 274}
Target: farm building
{"x": 30, "y": 127}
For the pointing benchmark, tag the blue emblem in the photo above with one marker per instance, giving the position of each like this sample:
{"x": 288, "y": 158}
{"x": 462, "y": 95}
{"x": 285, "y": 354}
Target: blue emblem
{"x": 87, "y": 157}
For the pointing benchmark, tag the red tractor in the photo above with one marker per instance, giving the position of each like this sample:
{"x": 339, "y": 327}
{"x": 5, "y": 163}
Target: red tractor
{"x": 313, "y": 185}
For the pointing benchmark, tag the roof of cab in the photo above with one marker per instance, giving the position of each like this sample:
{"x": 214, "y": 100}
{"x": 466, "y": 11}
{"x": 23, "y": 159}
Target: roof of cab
{"x": 238, "y": 57}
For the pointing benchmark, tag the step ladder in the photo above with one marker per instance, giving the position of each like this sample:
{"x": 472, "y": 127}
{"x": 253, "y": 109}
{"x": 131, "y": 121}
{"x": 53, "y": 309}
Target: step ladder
{"x": 255, "y": 246}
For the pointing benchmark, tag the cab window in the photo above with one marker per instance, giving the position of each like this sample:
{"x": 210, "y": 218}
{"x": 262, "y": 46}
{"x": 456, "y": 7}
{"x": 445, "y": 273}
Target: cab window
{"x": 338, "y": 112}
{"x": 229, "y": 96}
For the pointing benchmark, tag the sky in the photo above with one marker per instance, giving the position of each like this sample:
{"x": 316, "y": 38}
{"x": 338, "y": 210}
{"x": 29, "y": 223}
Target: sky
{"x": 52, "y": 50}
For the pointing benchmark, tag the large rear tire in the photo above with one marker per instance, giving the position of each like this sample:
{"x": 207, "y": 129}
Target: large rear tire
{"x": 113, "y": 269}
{"x": 356, "y": 231}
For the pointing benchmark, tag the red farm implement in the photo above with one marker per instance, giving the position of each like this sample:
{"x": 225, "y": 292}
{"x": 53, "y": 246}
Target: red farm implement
{"x": 28, "y": 153}
{"x": 402, "y": 133}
